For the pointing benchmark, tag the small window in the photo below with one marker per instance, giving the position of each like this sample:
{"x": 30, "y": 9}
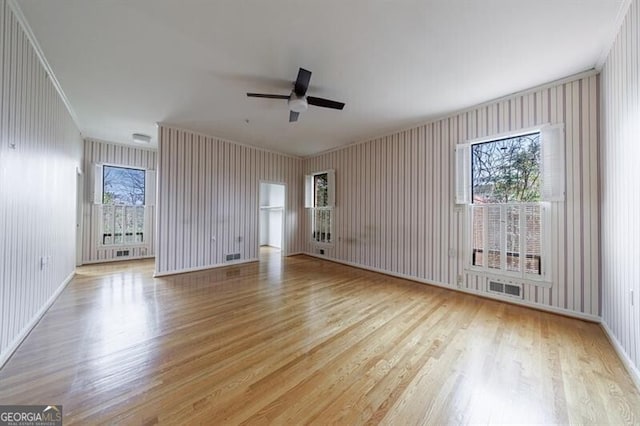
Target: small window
{"x": 320, "y": 195}
{"x": 123, "y": 205}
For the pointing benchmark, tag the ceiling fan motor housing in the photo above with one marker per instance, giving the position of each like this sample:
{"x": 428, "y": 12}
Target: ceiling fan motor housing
{"x": 297, "y": 103}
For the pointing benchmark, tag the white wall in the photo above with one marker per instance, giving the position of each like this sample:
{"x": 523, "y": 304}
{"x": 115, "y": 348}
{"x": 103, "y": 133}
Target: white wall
{"x": 621, "y": 190}
{"x": 37, "y": 186}
{"x": 207, "y": 203}
{"x": 395, "y": 208}
{"x": 100, "y": 152}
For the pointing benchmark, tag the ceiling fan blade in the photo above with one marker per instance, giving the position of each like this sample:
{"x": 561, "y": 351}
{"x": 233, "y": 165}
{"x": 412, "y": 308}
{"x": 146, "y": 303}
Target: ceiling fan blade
{"x": 325, "y": 103}
{"x": 293, "y": 116}
{"x": 265, "y": 95}
{"x": 302, "y": 82}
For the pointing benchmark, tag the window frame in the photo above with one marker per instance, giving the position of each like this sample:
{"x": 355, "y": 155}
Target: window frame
{"x": 149, "y": 201}
{"x": 464, "y": 196}
{"x": 310, "y": 204}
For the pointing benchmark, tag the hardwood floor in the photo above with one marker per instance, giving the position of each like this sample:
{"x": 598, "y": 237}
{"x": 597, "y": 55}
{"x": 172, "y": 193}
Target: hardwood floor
{"x": 298, "y": 340}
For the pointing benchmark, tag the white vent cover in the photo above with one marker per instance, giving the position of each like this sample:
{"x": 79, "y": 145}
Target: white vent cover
{"x": 505, "y": 289}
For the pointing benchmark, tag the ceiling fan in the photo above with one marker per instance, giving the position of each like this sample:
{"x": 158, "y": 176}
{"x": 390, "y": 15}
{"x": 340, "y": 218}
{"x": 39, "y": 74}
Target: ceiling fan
{"x": 298, "y": 100}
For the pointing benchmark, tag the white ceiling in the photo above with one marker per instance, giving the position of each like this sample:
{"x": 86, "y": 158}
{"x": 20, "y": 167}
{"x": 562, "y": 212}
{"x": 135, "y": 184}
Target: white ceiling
{"x": 128, "y": 64}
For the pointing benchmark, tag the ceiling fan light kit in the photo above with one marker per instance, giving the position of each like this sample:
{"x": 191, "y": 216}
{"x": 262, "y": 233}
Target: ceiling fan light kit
{"x": 298, "y": 101}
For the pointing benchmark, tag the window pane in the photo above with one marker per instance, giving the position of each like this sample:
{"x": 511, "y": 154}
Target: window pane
{"x": 506, "y": 170}
{"x": 494, "y": 254}
{"x": 320, "y": 190}
{"x": 123, "y": 186}
{"x": 513, "y": 238}
{"x": 118, "y": 225}
{"x": 107, "y": 224}
{"x": 478, "y": 257}
{"x": 321, "y": 225}
{"x": 533, "y": 246}
{"x": 139, "y": 225}
{"x": 129, "y": 225}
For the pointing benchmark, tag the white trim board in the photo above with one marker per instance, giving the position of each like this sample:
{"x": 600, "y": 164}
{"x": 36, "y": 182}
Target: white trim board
{"x": 550, "y": 309}
{"x": 204, "y": 268}
{"x": 13, "y": 346}
{"x": 613, "y": 34}
{"x": 116, "y": 259}
{"x": 626, "y": 361}
{"x": 17, "y": 11}
{"x": 574, "y": 77}
{"x": 246, "y": 145}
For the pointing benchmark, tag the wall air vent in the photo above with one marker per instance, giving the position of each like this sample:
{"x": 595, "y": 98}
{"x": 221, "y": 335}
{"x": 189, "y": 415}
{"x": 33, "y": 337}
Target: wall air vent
{"x": 505, "y": 289}
{"x": 232, "y": 256}
{"x": 121, "y": 253}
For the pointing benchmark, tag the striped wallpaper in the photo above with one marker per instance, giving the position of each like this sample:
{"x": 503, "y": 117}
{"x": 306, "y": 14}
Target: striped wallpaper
{"x": 40, "y": 151}
{"x": 99, "y": 152}
{"x": 207, "y": 204}
{"x": 395, "y": 208}
{"x": 620, "y": 153}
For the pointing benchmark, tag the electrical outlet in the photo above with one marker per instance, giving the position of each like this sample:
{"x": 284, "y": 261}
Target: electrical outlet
{"x": 460, "y": 280}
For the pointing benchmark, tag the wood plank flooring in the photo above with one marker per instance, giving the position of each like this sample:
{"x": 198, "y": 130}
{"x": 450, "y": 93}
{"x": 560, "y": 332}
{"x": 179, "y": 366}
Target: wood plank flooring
{"x": 302, "y": 340}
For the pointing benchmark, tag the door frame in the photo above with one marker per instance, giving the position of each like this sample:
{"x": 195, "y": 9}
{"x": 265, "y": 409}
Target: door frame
{"x": 283, "y": 249}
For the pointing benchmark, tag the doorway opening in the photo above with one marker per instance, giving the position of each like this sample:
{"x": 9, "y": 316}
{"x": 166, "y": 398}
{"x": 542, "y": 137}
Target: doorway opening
{"x": 271, "y": 219}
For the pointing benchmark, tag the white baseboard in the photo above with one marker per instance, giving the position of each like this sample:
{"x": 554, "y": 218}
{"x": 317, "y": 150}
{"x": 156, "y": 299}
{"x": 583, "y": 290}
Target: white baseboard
{"x": 204, "y": 268}
{"x": 633, "y": 370}
{"x": 4, "y": 357}
{"x": 551, "y": 309}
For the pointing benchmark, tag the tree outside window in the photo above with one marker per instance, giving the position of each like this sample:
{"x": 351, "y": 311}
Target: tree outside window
{"x": 123, "y": 186}
{"x": 507, "y": 170}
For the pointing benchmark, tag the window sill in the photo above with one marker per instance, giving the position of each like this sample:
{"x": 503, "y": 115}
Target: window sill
{"x": 123, "y": 245}
{"x": 541, "y": 282}
{"x": 321, "y": 244}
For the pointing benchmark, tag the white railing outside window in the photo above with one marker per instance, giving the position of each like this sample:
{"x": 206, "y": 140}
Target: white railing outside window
{"x": 122, "y": 224}
{"x": 322, "y": 224}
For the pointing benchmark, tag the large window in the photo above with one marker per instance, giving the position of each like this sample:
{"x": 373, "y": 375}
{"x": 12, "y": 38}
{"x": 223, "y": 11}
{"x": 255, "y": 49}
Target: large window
{"x": 319, "y": 196}
{"x": 506, "y": 183}
{"x": 123, "y": 193}
{"x": 506, "y": 219}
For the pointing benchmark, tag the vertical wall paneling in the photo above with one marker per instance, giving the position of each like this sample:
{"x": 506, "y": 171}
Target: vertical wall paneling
{"x": 100, "y": 152}
{"x": 396, "y": 210}
{"x": 40, "y": 151}
{"x": 620, "y": 230}
{"x": 208, "y": 200}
